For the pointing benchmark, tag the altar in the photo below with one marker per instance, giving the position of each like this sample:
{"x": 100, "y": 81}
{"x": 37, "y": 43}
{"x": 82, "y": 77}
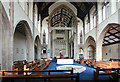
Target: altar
{"x": 65, "y": 61}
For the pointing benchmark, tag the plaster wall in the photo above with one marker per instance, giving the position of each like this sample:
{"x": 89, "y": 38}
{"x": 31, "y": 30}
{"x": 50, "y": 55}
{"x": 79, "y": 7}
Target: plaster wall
{"x": 91, "y": 17}
{"x": 80, "y": 28}
{"x": 91, "y": 33}
{"x": 99, "y": 13}
{"x": 45, "y": 28}
{"x": 19, "y": 15}
{"x": 31, "y": 11}
{"x": 6, "y": 5}
{"x": 20, "y": 47}
{"x": 113, "y": 6}
{"x": 111, "y": 51}
{"x": 112, "y": 19}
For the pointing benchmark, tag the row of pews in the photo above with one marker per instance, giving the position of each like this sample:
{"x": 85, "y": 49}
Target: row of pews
{"x": 49, "y": 77}
{"x": 103, "y": 68}
{"x": 28, "y": 71}
{"x": 33, "y": 65}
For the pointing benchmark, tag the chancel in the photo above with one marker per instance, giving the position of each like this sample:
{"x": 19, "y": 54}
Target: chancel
{"x": 54, "y": 40}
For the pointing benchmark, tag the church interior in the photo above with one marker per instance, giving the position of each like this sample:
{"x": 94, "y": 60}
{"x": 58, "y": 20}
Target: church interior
{"x": 61, "y": 40}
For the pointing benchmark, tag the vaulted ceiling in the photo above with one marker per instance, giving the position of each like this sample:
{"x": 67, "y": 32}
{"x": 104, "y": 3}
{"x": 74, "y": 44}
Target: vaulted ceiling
{"x": 82, "y": 8}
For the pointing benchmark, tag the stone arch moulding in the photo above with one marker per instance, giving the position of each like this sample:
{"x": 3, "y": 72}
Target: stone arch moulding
{"x": 27, "y": 27}
{"x": 88, "y": 43}
{"x": 89, "y": 38}
{"x": 59, "y": 7}
{"x": 100, "y": 41}
{"x": 26, "y": 23}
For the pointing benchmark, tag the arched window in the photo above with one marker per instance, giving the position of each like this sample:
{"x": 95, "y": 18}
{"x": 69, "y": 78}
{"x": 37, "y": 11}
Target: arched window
{"x": 62, "y": 18}
{"x": 105, "y": 9}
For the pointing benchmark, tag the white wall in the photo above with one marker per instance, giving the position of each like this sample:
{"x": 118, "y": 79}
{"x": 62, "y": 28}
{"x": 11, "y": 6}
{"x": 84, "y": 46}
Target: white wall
{"x": 6, "y": 5}
{"x": 44, "y": 27}
{"x": 19, "y": 15}
{"x": 20, "y": 47}
{"x": 111, "y": 50}
{"x": 80, "y": 28}
{"x": 112, "y": 19}
{"x": 31, "y": 11}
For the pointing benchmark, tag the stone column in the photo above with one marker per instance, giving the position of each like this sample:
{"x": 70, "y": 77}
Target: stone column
{"x": 77, "y": 48}
{"x": 0, "y": 34}
{"x": 99, "y": 50}
{"x": 71, "y": 51}
{"x": 49, "y": 44}
{"x": 30, "y": 48}
{"x": 96, "y": 27}
{"x": 67, "y": 50}
{"x": 119, "y": 51}
{"x": 7, "y": 47}
{"x": 38, "y": 50}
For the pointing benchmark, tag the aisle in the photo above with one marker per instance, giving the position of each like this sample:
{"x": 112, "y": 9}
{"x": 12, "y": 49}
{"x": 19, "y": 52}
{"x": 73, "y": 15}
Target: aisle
{"x": 85, "y": 75}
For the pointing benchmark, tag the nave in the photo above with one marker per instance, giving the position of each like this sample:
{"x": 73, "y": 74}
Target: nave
{"x": 52, "y": 41}
{"x": 48, "y": 68}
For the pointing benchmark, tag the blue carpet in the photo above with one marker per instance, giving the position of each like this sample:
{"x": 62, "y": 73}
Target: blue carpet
{"x": 85, "y": 75}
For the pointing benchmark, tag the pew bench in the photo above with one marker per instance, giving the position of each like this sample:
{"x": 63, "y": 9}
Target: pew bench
{"x": 103, "y": 72}
{"x": 46, "y": 77}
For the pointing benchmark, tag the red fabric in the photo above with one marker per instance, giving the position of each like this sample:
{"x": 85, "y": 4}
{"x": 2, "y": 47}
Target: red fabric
{"x": 61, "y": 56}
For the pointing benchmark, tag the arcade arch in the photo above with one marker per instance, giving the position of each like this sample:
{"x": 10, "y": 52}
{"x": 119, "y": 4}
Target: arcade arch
{"x": 23, "y": 42}
{"x": 62, "y": 32}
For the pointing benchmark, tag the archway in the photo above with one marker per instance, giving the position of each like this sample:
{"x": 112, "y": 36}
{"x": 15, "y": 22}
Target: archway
{"x": 37, "y": 48}
{"x": 101, "y": 39}
{"x": 111, "y": 42}
{"x": 62, "y": 32}
{"x": 90, "y": 47}
{"x": 23, "y": 42}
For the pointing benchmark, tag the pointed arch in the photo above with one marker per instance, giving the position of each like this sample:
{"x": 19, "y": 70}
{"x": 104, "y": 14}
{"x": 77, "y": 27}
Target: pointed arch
{"x": 23, "y": 42}
{"x": 58, "y": 9}
{"x": 37, "y": 47}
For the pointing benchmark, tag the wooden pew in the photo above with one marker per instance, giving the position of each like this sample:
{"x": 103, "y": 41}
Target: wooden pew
{"x": 90, "y": 62}
{"x": 37, "y": 65}
{"x": 43, "y": 65}
{"x": 114, "y": 59}
{"x": 41, "y": 76}
{"x": 114, "y": 74}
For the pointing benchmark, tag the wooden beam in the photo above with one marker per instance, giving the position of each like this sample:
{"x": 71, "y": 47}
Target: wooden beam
{"x": 111, "y": 43}
{"x": 113, "y": 35}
